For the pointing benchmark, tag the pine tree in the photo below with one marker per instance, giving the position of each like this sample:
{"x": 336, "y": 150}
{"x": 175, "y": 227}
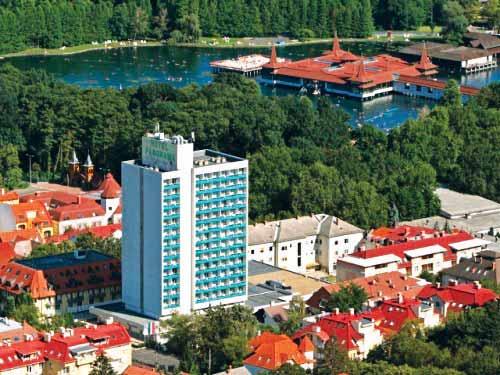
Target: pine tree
{"x": 102, "y": 366}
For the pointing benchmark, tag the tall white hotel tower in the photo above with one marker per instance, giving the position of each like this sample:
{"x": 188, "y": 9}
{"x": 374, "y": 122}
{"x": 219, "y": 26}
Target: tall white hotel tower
{"x": 184, "y": 228}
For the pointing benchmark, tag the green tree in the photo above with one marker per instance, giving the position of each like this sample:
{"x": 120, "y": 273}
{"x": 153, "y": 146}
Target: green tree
{"x": 347, "y": 297}
{"x": 456, "y": 22}
{"x": 102, "y": 366}
{"x": 334, "y": 359}
{"x": 296, "y": 314}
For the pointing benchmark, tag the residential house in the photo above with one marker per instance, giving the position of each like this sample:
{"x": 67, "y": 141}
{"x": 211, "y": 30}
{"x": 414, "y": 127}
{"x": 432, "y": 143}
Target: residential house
{"x": 413, "y": 257}
{"x": 271, "y": 351}
{"x": 456, "y": 297}
{"x": 302, "y": 243}
{"x": 28, "y": 215}
{"x": 272, "y": 315}
{"x": 69, "y": 282}
{"x": 379, "y": 288}
{"x": 484, "y": 266}
{"x": 392, "y": 314}
{"x": 357, "y": 333}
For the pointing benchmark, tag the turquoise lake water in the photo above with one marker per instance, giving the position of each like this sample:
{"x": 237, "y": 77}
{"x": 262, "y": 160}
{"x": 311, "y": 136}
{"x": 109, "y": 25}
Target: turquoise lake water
{"x": 182, "y": 66}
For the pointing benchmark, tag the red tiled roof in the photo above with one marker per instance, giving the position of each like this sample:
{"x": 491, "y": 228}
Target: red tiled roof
{"x": 425, "y": 63}
{"x": 7, "y": 252}
{"x": 105, "y": 231}
{"x": 378, "y": 287}
{"x": 18, "y": 334}
{"x": 338, "y": 325}
{"x": 393, "y": 314}
{"x": 85, "y": 209}
{"x": 51, "y": 198}
{"x": 16, "y": 278}
{"x": 271, "y": 351}
{"x": 399, "y": 249}
{"x": 11, "y": 357}
{"x": 401, "y": 233}
{"x": 306, "y": 345}
{"x": 110, "y": 335}
{"x": 9, "y": 196}
{"x": 140, "y": 370}
{"x": 58, "y": 348}
{"x": 462, "y": 294}
{"x": 21, "y": 235}
{"x": 21, "y": 210}
{"x": 110, "y": 188}
{"x": 472, "y": 91}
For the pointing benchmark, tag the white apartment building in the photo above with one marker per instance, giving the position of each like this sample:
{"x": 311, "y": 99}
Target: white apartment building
{"x": 184, "y": 228}
{"x": 301, "y": 243}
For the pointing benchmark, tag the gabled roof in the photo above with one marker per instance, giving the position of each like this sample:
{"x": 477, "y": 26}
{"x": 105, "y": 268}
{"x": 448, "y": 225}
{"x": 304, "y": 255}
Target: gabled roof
{"x": 21, "y": 235}
{"x": 382, "y": 286}
{"x": 339, "y": 325}
{"x": 21, "y": 212}
{"x": 60, "y": 274}
{"x": 7, "y": 252}
{"x": 271, "y": 351}
{"x": 11, "y": 357}
{"x": 16, "y": 278}
{"x": 461, "y": 295}
{"x": 86, "y": 208}
{"x": 393, "y": 314}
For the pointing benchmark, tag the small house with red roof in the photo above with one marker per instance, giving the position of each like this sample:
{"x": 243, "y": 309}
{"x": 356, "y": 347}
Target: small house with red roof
{"x": 70, "y": 282}
{"x": 456, "y": 298}
{"x": 392, "y": 314}
{"x": 270, "y": 351}
{"x": 26, "y": 215}
{"x": 378, "y": 288}
{"x": 411, "y": 258}
{"x": 357, "y": 333}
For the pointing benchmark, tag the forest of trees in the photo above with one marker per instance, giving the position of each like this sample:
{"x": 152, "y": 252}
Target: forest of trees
{"x": 55, "y": 23}
{"x": 304, "y": 157}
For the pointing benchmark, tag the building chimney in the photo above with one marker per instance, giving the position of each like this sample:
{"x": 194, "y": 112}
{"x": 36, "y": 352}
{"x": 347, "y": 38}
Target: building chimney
{"x": 351, "y": 311}
{"x": 79, "y": 199}
{"x": 336, "y": 311}
{"x": 452, "y": 282}
{"x": 477, "y": 285}
{"x": 400, "y": 298}
{"x": 317, "y": 329}
{"x": 2, "y": 191}
{"x": 438, "y": 285}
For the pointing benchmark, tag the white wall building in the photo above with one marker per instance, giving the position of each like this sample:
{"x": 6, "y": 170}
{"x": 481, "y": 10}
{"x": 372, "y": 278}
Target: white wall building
{"x": 305, "y": 242}
{"x": 184, "y": 228}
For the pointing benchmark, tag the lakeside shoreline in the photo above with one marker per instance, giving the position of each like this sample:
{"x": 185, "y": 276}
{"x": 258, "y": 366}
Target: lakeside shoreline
{"x": 205, "y": 44}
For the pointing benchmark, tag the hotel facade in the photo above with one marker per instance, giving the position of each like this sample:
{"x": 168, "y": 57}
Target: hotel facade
{"x": 185, "y": 216}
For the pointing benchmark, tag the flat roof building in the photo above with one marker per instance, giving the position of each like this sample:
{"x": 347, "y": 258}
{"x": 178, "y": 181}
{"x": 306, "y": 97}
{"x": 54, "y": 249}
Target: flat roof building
{"x": 184, "y": 228}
